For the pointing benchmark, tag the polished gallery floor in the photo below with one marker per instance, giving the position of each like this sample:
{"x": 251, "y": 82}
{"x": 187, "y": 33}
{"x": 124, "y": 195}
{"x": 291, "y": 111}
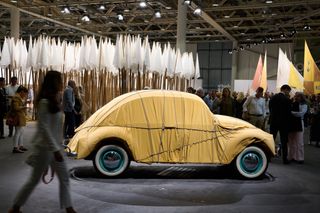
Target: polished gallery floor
{"x": 165, "y": 188}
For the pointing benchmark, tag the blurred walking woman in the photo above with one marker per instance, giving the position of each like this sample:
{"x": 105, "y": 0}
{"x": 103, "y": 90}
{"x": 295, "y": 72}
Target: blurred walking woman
{"x": 47, "y": 148}
{"x": 19, "y": 109}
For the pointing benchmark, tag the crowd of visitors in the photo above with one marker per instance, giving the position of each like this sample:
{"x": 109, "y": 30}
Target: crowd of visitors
{"x": 284, "y": 113}
{"x": 15, "y": 102}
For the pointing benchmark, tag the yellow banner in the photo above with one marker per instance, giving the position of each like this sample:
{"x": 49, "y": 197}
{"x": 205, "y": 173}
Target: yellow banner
{"x": 316, "y": 86}
{"x": 295, "y": 79}
{"x": 311, "y": 71}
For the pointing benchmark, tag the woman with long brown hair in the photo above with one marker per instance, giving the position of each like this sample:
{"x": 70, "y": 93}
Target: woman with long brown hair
{"x": 227, "y": 104}
{"x": 47, "y": 148}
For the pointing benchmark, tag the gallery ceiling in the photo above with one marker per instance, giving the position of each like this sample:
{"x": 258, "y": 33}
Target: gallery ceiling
{"x": 245, "y": 21}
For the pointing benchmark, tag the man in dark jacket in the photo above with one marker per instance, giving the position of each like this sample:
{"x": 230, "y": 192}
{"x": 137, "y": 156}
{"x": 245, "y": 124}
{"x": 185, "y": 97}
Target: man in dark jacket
{"x": 68, "y": 108}
{"x": 3, "y": 106}
{"x": 280, "y": 108}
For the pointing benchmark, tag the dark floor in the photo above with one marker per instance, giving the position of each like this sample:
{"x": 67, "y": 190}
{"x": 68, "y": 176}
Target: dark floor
{"x": 164, "y": 188}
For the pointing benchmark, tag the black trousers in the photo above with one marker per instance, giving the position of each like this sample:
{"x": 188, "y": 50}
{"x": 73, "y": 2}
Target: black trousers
{"x": 10, "y": 130}
{"x": 69, "y": 124}
{"x": 10, "y": 126}
{"x": 1, "y": 125}
{"x": 283, "y": 140}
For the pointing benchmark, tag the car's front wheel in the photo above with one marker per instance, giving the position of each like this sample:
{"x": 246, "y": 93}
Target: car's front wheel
{"x": 111, "y": 160}
{"x": 252, "y": 162}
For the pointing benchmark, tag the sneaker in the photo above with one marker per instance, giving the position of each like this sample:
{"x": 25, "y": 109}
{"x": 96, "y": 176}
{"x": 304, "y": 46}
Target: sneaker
{"x": 16, "y": 150}
{"x": 22, "y": 148}
{"x": 2, "y": 137}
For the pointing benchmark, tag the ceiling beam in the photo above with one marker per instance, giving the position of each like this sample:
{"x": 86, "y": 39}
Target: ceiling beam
{"x": 49, "y": 19}
{"x": 213, "y": 23}
{"x": 262, "y": 5}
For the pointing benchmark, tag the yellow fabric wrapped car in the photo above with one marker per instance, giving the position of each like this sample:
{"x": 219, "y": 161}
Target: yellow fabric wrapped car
{"x": 159, "y": 126}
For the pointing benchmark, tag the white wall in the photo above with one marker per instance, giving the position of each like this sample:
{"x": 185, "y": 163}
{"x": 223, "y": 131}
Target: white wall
{"x": 245, "y": 85}
{"x": 248, "y": 60}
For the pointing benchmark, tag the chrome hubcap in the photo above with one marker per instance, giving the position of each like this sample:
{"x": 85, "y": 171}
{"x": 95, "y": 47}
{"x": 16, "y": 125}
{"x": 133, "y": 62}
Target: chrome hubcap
{"x": 111, "y": 160}
{"x": 250, "y": 161}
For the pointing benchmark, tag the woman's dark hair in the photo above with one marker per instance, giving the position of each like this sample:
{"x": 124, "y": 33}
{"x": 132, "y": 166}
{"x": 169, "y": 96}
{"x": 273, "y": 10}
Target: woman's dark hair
{"x": 259, "y": 89}
{"x": 285, "y": 87}
{"x": 226, "y": 89}
{"x": 50, "y": 89}
{"x": 22, "y": 89}
{"x": 302, "y": 97}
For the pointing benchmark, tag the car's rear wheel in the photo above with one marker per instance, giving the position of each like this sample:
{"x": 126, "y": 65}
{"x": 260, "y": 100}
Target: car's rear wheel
{"x": 252, "y": 162}
{"x": 111, "y": 160}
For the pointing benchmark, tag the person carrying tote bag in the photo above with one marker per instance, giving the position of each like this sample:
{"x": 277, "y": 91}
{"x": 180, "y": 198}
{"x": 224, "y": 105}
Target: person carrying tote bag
{"x": 12, "y": 119}
{"x": 47, "y": 149}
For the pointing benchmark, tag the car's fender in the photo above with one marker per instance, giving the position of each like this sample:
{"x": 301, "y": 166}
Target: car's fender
{"x": 237, "y": 142}
{"x": 86, "y": 140}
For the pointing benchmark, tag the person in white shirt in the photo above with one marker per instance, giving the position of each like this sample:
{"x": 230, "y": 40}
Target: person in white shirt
{"x": 47, "y": 148}
{"x": 254, "y": 108}
{"x": 11, "y": 90}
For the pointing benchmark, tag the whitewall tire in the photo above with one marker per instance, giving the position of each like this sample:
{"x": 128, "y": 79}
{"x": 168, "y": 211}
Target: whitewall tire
{"x": 252, "y": 162}
{"x": 111, "y": 160}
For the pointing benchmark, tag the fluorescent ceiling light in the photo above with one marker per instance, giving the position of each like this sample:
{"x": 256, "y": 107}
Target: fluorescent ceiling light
{"x": 142, "y": 4}
{"x": 102, "y": 7}
{"x": 306, "y": 27}
{"x": 85, "y": 18}
{"x": 65, "y": 10}
{"x": 157, "y": 14}
{"x": 120, "y": 17}
{"x": 197, "y": 11}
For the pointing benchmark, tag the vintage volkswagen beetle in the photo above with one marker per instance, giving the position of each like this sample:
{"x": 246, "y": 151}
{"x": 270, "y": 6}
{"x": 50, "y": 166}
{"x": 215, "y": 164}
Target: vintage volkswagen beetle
{"x": 159, "y": 126}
